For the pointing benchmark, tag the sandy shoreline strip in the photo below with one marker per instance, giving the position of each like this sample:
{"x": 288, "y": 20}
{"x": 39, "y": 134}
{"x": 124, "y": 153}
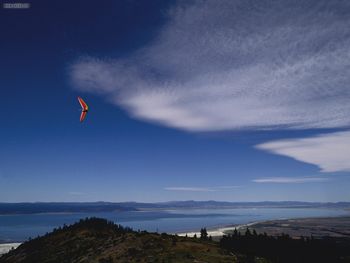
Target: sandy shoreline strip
{"x": 6, "y": 247}
{"x": 218, "y": 232}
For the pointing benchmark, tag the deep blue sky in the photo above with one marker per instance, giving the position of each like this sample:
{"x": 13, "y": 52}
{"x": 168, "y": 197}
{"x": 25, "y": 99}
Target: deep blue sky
{"x": 131, "y": 149}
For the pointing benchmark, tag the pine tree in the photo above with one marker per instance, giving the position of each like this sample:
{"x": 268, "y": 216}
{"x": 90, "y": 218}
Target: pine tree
{"x": 204, "y": 234}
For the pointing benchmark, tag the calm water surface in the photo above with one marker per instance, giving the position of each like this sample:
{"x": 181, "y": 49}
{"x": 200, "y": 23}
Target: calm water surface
{"x": 21, "y": 227}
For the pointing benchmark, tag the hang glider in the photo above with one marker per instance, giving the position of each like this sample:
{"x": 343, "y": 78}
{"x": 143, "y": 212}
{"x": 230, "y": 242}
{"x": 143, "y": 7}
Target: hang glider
{"x": 84, "y": 109}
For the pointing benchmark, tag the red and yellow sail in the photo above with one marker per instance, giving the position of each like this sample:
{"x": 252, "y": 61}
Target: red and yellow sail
{"x": 84, "y": 109}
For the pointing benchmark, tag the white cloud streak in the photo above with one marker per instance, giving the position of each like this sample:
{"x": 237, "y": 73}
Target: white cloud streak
{"x": 330, "y": 152}
{"x": 202, "y": 189}
{"x": 290, "y": 180}
{"x": 76, "y": 193}
{"x": 225, "y": 65}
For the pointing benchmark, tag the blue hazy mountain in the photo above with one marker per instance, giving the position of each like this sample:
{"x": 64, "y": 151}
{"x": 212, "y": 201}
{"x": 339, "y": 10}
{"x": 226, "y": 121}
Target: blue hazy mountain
{"x": 69, "y": 207}
{"x": 79, "y": 207}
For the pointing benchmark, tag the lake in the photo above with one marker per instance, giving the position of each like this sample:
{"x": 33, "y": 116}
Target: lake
{"x": 20, "y": 227}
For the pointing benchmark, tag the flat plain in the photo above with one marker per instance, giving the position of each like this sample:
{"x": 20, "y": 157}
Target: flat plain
{"x": 316, "y": 227}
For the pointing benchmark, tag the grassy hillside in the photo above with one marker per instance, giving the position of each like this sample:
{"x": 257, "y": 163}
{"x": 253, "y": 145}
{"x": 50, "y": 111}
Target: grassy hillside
{"x": 97, "y": 240}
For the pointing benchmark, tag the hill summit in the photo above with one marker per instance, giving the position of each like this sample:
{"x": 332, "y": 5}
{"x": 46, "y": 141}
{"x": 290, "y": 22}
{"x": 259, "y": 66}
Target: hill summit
{"x": 96, "y": 240}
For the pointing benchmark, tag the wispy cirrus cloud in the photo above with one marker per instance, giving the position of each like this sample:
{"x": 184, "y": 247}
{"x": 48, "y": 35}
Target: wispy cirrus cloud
{"x": 290, "y": 180}
{"x": 75, "y": 193}
{"x": 189, "y": 189}
{"x": 330, "y": 152}
{"x": 224, "y": 65}
{"x": 202, "y": 189}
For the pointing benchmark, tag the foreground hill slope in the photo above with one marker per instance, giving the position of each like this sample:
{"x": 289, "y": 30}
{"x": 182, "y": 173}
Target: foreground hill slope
{"x": 97, "y": 240}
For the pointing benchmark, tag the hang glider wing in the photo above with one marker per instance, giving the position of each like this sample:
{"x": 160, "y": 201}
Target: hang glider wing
{"x": 83, "y": 105}
{"x": 82, "y": 116}
{"x": 84, "y": 109}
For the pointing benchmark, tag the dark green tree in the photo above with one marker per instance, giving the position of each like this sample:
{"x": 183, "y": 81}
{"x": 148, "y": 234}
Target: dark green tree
{"x": 204, "y": 233}
{"x": 235, "y": 232}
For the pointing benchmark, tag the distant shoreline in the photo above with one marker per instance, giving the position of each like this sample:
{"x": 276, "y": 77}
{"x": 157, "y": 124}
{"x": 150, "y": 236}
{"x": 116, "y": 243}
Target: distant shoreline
{"x": 6, "y": 247}
{"x": 281, "y": 226}
{"x": 215, "y": 228}
{"x": 96, "y": 207}
{"x": 219, "y": 231}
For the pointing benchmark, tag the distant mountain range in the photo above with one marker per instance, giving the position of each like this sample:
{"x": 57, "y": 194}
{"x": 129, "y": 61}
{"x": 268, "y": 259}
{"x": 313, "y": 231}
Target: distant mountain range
{"x": 77, "y": 207}
{"x": 37, "y": 208}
